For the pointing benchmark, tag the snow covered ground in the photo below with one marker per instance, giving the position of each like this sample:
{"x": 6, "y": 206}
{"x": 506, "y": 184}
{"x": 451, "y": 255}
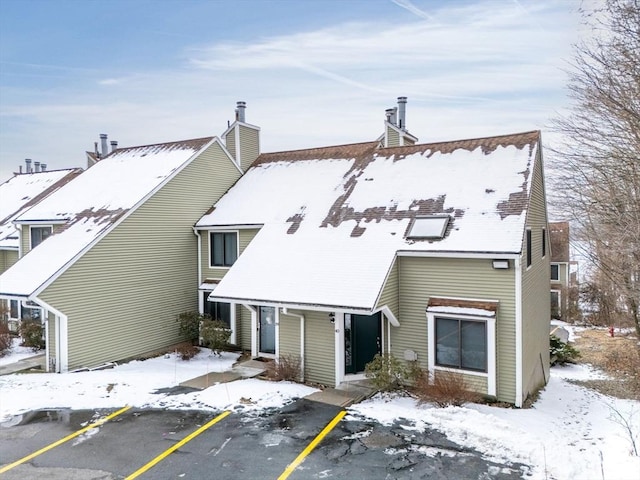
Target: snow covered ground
{"x": 569, "y": 434}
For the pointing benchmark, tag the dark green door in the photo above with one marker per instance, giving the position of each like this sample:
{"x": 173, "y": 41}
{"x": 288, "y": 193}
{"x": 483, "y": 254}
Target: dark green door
{"x": 362, "y": 340}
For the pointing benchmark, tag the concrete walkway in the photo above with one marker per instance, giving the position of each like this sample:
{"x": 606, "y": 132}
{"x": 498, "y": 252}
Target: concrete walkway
{"x": 346, "y": 394}
{"x": 35, "y": 362}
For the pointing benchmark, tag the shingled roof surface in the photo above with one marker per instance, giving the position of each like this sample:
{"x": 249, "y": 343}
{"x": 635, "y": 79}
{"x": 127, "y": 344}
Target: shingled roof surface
{"x": 334, "y": 218}
{"x": 22, "y": 192}
{"x": 90, "y": 205}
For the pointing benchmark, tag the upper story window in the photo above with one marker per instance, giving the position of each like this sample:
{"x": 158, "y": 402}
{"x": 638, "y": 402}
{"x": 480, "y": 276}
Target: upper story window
{"x": 529, "y": 247}
{"x": 39, "y": 235}
{"x": 223, "y": 248}
{"x": 555, "y": 272}
{"x": 544, "y": 242}
{"x": 430, "y": 227}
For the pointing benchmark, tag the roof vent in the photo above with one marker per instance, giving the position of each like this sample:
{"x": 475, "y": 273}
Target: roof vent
{"x": 43, "y": 167}
{"x": 391, "y": 115}
{"x": 103, "y": 142}
{"x": 240, "y": 111}
{"x": 36, "y": 166}
{"x": 402, "y": 110}
{"x": 114, "y": 145}
{"x": 27, "y": 162}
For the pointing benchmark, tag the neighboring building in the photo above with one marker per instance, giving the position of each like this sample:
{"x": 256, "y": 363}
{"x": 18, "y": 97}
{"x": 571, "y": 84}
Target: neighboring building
{"x": 432, "y": 252}
{"x": 18, "y": 194}
{"x": 121, "y": 264}
{"x": 559, "y": 269}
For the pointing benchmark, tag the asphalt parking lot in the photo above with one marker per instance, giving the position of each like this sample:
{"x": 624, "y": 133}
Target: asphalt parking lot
{"x": 304, "y": 440}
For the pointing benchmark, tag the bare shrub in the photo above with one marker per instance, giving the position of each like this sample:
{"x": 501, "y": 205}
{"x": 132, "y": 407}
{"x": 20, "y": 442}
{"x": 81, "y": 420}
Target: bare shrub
{"x": 215, "y": 335}
{"x": 187, "y": 351}
{"x": 286, "y": 367}
{"x": 5, "y": 339}
{"x": 444, "y": 388}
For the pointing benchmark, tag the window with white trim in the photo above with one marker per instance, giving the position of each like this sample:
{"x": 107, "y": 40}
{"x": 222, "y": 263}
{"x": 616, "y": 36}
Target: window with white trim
{"x": 223, "y": 248}
{"x": 529, "y": 246}
{"x": 39, "y": 235}
{"x": 555, "y": 272}
{"x": 461, "y": 344}
{"x": 218, "y": 310}
{"x": 556, "y": 310}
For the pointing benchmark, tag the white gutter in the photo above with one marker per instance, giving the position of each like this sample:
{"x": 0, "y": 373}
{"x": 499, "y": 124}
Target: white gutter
{"x": 445, "y": 254}
{"x": 285, "y": 311}
{"x": 518, "y": 273}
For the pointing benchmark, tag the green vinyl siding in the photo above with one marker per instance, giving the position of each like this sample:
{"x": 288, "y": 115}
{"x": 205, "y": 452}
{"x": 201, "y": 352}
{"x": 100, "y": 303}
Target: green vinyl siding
{"x": 244, "y": 237}
{"x": 51, "y": 341}
{"x": 319, "y": 348}
{"x": 7, "y": 259}
{"x": 249, "y": 146}
{"x": 393, "y": 137}
{"x": 421, "y": 278}
{"x": 122, "y": 296}
{"x": 243, "y": 323}
{"x": 289, "y": 336}
{"x": 535, "y": 293}
{"x": 389, "y": 296}
{"x": 25, "y": 240}
{"x": 230, "y": 142}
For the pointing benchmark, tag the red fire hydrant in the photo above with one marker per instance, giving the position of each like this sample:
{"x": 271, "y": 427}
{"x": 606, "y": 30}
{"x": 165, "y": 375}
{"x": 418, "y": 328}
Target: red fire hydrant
{"x": 611, "y": 330}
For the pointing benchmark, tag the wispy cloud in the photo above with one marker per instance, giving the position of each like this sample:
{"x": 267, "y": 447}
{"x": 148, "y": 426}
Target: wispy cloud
{"x": 471, "y": 69}
{"x": 409, "y": 5}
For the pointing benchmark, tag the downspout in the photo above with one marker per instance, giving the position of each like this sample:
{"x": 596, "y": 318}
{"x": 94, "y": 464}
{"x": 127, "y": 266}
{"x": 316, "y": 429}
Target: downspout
{"x": 285, "y": 310}
{"x": 518, "y": 273}
{"x": 197, "y": 234}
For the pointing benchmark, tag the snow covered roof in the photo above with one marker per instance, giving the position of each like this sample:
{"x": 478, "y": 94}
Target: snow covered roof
{"x": 23, "y": 191}
{"x": 455, "y": 306}
{"x": 334, "y": 218}
{"x": 92, "y": 204}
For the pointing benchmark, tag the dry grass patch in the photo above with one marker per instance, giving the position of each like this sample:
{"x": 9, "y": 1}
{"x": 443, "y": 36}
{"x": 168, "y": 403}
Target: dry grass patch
{"x": 444, "y": 388}
{"x": 618, "y": 356}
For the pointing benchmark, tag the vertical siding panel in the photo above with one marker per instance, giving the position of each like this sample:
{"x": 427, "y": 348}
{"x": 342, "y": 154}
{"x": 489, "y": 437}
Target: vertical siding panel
{"x": 535, "y": 292}
{"x": 319, "y": 347}
{"x": 249, "y": 146}
{"x": 123, "y": 295}
{"x": 289, "y": 336}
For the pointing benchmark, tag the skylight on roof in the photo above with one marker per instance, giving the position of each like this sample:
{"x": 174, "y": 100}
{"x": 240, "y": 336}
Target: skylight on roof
{"x": 428, "y": 227}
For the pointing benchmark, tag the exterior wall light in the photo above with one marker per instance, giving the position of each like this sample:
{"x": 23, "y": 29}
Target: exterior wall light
{"x": 501, "y": 264}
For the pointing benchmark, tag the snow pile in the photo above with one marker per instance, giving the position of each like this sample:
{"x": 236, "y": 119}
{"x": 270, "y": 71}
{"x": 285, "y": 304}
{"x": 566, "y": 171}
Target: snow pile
{"x": 136, "y": 383}
{"x": 571, "y": 433}
{"x": 17, "y": 353}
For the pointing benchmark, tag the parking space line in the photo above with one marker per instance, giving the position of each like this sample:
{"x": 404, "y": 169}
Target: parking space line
{"x": 300, "y": 458}
{"x": 63, "y": 440}
{"x": 169, "y": 451}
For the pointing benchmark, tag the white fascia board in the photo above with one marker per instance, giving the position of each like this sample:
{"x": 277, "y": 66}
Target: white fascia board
{"x": 226, "y": 152}
{"x": 42, "y": 221}
{"x": 215, "y": 228}
{"x": 293, "y": 305}
{"x": 445, "y": 254}
{"x": 14, "y": 297}
{"x": 126, "y": 215}
{"x": 11, "y": 249}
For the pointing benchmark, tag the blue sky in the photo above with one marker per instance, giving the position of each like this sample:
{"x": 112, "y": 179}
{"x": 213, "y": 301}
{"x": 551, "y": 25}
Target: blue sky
{"x": 312, "y": 72}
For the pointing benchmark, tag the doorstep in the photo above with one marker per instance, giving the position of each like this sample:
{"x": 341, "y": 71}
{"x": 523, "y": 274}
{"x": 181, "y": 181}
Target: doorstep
{"x": 346, "y": 394}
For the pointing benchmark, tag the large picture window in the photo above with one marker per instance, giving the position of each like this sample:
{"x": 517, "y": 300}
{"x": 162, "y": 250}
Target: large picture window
{"x": 224, "y": 248}
{"x": 39, "y": 235}
{"x": 461, "y": 344}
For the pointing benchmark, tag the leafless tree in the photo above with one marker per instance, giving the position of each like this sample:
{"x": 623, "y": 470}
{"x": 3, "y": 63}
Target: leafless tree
{"x": 598, "y": 156}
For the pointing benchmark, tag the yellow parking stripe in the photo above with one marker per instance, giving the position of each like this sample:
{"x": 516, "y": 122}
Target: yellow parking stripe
{"x": 169, "y": 451}
{"x": 63, "y": 440}
{"x": 300, "y": 458}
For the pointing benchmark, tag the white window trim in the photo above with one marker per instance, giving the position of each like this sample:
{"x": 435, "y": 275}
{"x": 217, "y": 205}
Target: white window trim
{"x": 209, "y": 232}
{"x": 31, "y": 227}
{"x": 490, "y": 374}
